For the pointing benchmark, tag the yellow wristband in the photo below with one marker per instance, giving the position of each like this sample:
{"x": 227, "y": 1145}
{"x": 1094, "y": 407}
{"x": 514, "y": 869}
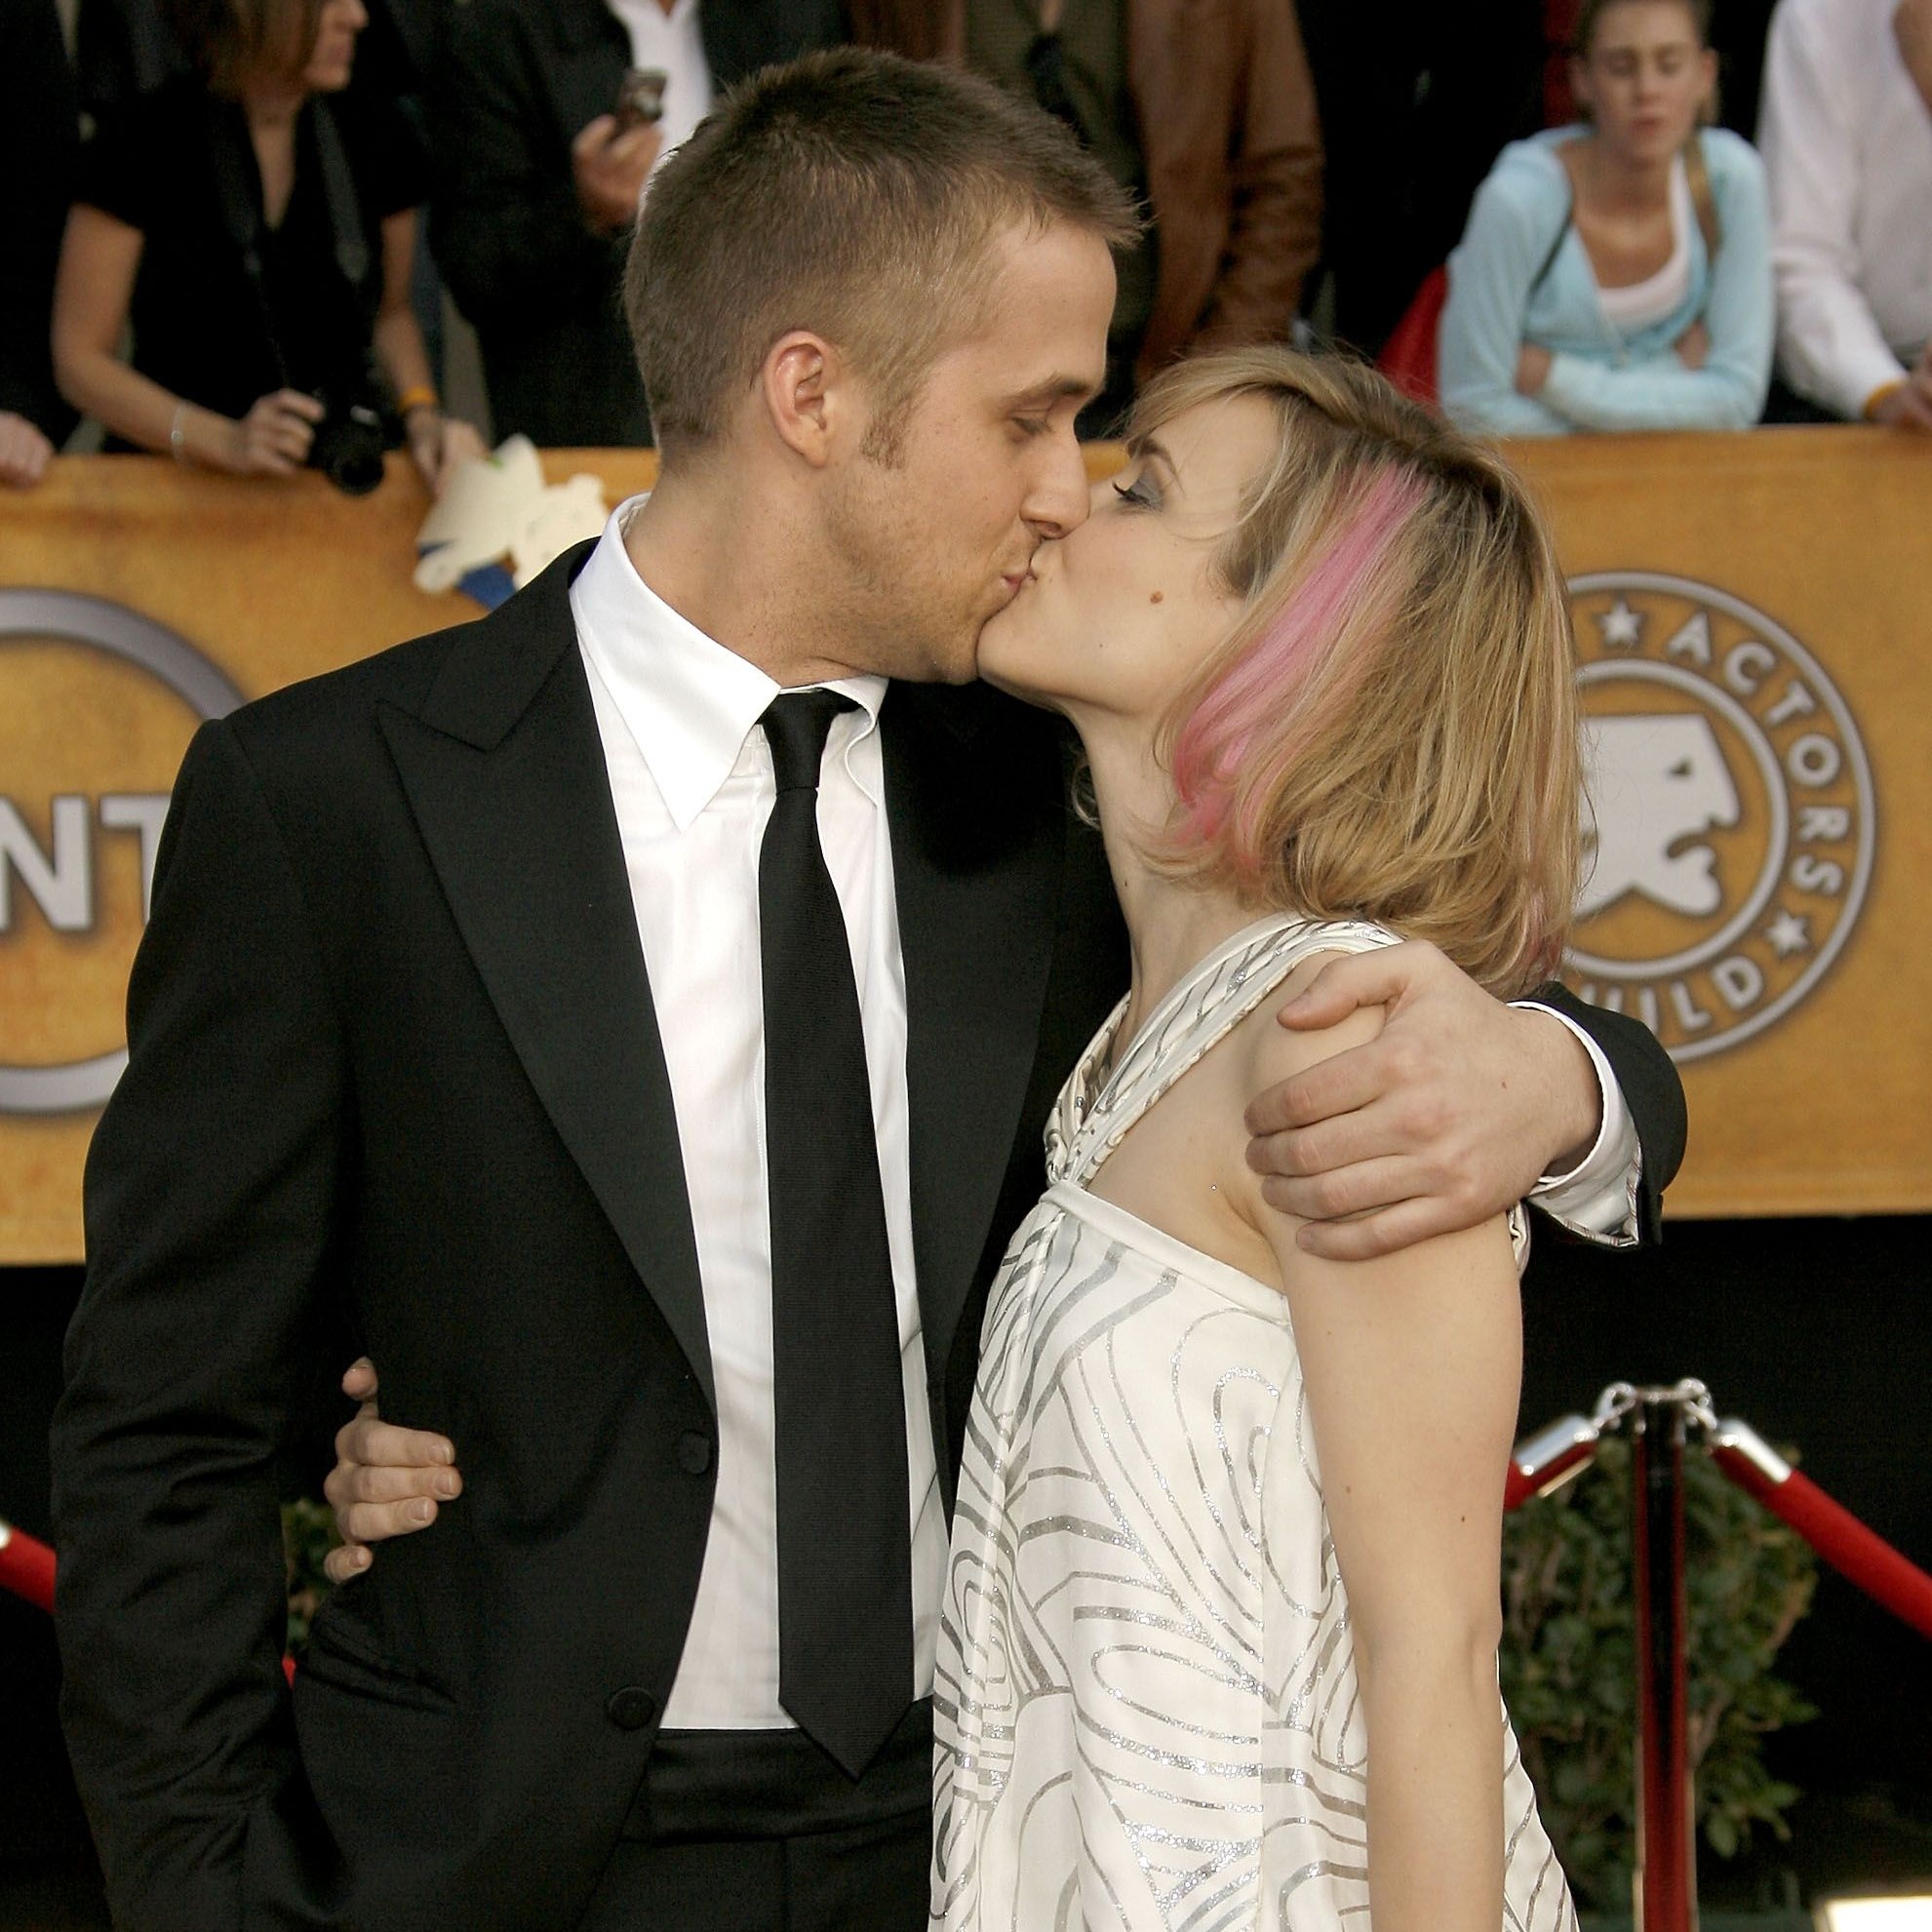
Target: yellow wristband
{"x": 1879, "y": 395}
{"x": 417, "y": 396}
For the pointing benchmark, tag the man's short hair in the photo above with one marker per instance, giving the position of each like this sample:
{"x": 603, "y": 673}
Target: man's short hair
{"x": 852, "y": 193}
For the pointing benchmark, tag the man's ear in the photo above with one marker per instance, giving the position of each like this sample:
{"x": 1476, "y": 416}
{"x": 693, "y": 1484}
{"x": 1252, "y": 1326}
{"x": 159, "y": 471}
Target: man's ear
{"x": 806, "y": 393}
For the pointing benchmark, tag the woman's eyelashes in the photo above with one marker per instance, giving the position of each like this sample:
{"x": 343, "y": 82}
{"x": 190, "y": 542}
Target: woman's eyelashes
{"x": 1140, "y": 492}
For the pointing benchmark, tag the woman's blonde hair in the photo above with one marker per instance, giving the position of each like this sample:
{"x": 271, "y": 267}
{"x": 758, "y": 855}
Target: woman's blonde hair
{"x": 1390, "y": 731}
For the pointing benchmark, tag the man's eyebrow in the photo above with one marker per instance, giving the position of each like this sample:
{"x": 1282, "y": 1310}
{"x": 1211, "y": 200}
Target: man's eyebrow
{"x": 1055, "y": 389}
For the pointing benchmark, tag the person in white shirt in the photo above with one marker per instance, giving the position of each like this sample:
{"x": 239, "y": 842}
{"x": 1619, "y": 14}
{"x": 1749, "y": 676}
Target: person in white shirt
{"x": 1845, "y": 130}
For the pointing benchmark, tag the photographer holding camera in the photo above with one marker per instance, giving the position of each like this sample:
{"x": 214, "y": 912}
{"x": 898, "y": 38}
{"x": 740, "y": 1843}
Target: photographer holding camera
{"x": 258, "y": 227}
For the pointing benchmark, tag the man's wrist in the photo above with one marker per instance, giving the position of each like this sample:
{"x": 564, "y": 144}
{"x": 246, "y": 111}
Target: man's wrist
{"x": 1570, "y": 1078}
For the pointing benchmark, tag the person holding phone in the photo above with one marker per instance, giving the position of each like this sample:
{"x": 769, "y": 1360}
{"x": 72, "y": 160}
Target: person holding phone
{"x": 549, "y": 122}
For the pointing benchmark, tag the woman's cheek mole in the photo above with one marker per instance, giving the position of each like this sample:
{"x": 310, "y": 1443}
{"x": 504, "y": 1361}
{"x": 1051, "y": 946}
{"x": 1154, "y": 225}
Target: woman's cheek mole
{"x": 1155, "y": 597}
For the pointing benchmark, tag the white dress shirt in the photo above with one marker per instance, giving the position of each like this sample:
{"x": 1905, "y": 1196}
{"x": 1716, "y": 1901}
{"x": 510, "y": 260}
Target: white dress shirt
{"x": 1848, "y": 144}
{"x": 671, "y": 43}
{"x": 691, "y": 778}
{"x": 691, "y": 775}
{"x": 1597, "y": 1197}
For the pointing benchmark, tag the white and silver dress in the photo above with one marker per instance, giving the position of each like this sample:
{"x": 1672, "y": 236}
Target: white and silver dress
{"x": 1146, "y": 1706}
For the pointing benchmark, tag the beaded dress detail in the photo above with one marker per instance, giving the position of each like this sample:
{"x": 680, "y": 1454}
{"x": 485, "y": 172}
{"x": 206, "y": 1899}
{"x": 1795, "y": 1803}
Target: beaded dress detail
{"x": 1146, "y": 1707}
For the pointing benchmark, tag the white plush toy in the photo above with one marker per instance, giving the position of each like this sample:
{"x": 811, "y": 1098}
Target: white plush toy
{"x": 501, "y": 508}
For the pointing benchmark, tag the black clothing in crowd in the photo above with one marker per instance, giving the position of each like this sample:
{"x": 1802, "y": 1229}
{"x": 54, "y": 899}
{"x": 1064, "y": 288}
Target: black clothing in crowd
{"x": 39, "y": 141}
{"x": 157, "y": 163}
{"x": 517, "y": 81}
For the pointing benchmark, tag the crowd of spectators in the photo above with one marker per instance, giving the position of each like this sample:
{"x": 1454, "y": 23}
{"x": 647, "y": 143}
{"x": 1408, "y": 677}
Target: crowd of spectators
{"x": 213, "y": 207}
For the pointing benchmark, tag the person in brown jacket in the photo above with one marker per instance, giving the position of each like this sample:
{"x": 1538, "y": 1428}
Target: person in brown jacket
{"x": 1203, "y": 108}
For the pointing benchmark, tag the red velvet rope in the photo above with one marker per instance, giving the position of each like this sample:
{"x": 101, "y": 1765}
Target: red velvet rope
{"x": 27, "y": 1567}
{"x": 1845, "y": 1542}
{"x": 1521, "y": 1485}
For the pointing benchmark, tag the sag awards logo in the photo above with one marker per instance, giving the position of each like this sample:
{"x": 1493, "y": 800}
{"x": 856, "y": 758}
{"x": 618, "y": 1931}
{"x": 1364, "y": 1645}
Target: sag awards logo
{"x": 1728, "y": 813}
{"x": 97, "y": 706}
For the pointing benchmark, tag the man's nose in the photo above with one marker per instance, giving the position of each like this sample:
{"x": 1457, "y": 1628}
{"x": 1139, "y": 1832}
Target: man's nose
{"x": 1059, "y": 499}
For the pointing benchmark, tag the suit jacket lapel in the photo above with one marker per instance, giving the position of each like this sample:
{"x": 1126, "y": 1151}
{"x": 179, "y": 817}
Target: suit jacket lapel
{"x": 505, "y": 770}
{"x": 976, "y": 865}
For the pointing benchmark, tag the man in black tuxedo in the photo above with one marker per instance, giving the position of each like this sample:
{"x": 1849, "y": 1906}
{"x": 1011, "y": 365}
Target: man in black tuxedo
{"x": 658, "y": 1132}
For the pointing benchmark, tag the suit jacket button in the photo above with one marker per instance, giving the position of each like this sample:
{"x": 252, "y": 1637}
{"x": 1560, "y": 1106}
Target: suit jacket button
{"x": 694, "y": 1452}
{"x": 631, "y": 1709}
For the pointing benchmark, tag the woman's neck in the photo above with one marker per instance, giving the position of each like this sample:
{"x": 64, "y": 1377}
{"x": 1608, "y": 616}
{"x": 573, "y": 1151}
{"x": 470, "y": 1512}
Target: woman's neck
{"x": 1613, "y": 182}
{"x": 1172, "y": 924}
{"x": 271, "y": 107}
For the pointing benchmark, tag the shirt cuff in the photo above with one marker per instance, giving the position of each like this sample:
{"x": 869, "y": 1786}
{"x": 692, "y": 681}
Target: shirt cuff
{"x": 1597, "y": 1197}
{"x": 1851, "y": 378}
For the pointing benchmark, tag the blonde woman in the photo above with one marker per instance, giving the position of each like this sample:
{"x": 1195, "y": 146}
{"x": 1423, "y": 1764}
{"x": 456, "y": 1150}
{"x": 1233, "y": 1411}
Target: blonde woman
{"x": 1220, "y": 1641}
{"x": 1220, "y": 1625}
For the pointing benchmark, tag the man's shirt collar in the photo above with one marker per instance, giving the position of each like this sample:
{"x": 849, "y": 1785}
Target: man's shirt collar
{"x": 688, "y": 701}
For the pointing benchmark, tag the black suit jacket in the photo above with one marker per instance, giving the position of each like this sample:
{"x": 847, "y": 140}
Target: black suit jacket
{"x": 393, "y": 1052}
{"x": 518, "y": 79}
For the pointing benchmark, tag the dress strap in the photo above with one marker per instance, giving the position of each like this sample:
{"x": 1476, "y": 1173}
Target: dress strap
{"x": 1211, "y": 1000}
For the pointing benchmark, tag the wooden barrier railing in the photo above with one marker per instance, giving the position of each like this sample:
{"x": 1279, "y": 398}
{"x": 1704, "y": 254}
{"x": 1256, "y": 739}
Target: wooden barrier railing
{"x": 1755, "y": 631}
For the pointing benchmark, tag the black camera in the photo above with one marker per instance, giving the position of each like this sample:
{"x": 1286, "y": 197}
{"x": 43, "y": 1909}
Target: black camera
{"x": 349, "y": 444}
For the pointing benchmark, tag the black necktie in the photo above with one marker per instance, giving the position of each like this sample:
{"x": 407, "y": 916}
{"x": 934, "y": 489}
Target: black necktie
{"x": 844, "y": 1558}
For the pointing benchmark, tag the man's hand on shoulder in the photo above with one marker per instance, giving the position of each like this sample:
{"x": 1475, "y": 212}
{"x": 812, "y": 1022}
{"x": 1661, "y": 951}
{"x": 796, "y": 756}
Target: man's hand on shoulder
{"x": 1450, "y": 1115}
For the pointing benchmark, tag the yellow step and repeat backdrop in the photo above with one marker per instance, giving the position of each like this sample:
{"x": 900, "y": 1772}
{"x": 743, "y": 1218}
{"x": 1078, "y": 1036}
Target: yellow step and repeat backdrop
{"x": 1755, "y": 634}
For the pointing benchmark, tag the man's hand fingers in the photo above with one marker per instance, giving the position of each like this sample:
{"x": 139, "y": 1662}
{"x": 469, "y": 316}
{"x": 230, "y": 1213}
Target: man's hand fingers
{"x": 1376, "y": 1235}
{"x": 377, "y": 1522}
{"x": 341, "y": 1566}
{"x": 1330, "y": 1087}
{"x": 298, "y": 401}
{"x": 593, "y": 135}
{"x": 1377, "y": 978}
{"x": 353, "y": 1482}
{"x": 359, "y": 1380}
{"x": 1334, "y": 1139}
{"x": 1365, "y": 1187}
{"x": 1343, "y": 986}
{"x": 367, "y": 1439}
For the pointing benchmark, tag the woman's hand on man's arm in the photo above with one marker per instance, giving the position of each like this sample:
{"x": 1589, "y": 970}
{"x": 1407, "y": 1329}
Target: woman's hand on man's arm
{"x": 387, "y": 1481}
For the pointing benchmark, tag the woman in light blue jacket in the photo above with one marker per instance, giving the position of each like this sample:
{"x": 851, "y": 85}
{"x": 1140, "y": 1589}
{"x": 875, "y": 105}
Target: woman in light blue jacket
{"x": 1617, "y": 274}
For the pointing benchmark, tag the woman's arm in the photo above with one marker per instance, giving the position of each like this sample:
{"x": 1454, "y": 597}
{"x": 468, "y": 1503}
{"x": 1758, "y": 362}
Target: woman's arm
{"x": 1727, "y": 392}
{"x": 1490, "y": 278}
{"x": 1411, "y": 1365}
{"x": 439, "y": 444}
{"x": 100, "y": 258}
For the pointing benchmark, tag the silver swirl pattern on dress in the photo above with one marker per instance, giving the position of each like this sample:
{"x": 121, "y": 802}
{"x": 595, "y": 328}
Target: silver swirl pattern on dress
{"x": 1146, "y": 1702}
